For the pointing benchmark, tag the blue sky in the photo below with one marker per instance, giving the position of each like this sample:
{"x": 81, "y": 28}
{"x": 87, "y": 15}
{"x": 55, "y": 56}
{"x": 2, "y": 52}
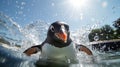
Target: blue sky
{"x": 90, "y": 12}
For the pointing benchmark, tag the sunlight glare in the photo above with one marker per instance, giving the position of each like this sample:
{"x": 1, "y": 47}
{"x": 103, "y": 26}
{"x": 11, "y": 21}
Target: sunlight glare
{"x": 78, "y": 3}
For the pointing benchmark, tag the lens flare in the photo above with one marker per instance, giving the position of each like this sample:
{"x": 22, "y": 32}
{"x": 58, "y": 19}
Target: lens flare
{"x": 78, "y": 3}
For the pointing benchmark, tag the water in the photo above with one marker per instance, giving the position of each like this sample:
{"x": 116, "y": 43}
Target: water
{"x": 14, "y": 40}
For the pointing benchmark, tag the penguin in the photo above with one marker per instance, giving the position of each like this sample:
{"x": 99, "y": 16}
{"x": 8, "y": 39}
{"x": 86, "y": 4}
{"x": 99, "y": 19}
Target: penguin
{"x": 58, "y": 44}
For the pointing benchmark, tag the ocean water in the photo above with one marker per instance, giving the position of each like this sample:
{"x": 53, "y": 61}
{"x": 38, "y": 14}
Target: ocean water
{"x": 14, "y": 39}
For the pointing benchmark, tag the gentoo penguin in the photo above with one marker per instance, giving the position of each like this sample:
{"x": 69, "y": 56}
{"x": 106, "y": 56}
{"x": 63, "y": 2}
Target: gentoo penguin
{"x": 58, "y": 45}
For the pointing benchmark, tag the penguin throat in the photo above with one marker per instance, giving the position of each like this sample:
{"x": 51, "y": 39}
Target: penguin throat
{"x": 59, "y": 44}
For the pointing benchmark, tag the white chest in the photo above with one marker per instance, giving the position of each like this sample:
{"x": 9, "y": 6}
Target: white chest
{"x": 65, "y": 53}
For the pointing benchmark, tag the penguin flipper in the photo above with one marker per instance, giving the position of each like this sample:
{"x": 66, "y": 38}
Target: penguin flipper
{"x": 32, "y": 50}
{"x": 84, "y": 49}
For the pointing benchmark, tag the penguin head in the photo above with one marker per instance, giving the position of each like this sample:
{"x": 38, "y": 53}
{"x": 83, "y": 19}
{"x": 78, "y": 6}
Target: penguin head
{"x": 58, "y": 32}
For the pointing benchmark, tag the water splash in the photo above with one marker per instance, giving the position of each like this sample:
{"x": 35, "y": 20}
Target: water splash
{"x": 36, "y": 31}
{"x": 13, "y": 35}
{"x": 32, "y": 34}
{"x": 10, "y": 31}
{"x": 14, "y": 40}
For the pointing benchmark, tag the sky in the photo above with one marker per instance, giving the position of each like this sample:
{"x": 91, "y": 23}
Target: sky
{"x": 77, "y": 13}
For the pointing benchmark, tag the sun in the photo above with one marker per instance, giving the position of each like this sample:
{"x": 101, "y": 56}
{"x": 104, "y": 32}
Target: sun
{"x": 78, "y": 3}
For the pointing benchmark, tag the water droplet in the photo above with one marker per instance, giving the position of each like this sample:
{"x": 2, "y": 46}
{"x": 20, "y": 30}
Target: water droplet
{"x": 23, "y": 3}
{"x": 53, "y": 4}
{"x": 96, "y": 37}
{"x": 68, "y": 61}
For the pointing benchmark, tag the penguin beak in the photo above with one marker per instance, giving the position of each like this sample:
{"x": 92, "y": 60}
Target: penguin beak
{"x": 62, "y": 36}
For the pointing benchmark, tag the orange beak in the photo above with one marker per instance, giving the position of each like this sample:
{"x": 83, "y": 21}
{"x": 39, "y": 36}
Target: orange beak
{"x": 62, "y": 36}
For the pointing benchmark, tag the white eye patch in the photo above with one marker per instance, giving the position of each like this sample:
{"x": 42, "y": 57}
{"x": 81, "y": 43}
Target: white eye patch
{"x": 52, "y": 28}
{"x": 63, "y": 28}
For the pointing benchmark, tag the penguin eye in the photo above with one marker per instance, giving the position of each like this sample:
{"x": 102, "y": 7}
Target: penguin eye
{"x": 52, "y": 28}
